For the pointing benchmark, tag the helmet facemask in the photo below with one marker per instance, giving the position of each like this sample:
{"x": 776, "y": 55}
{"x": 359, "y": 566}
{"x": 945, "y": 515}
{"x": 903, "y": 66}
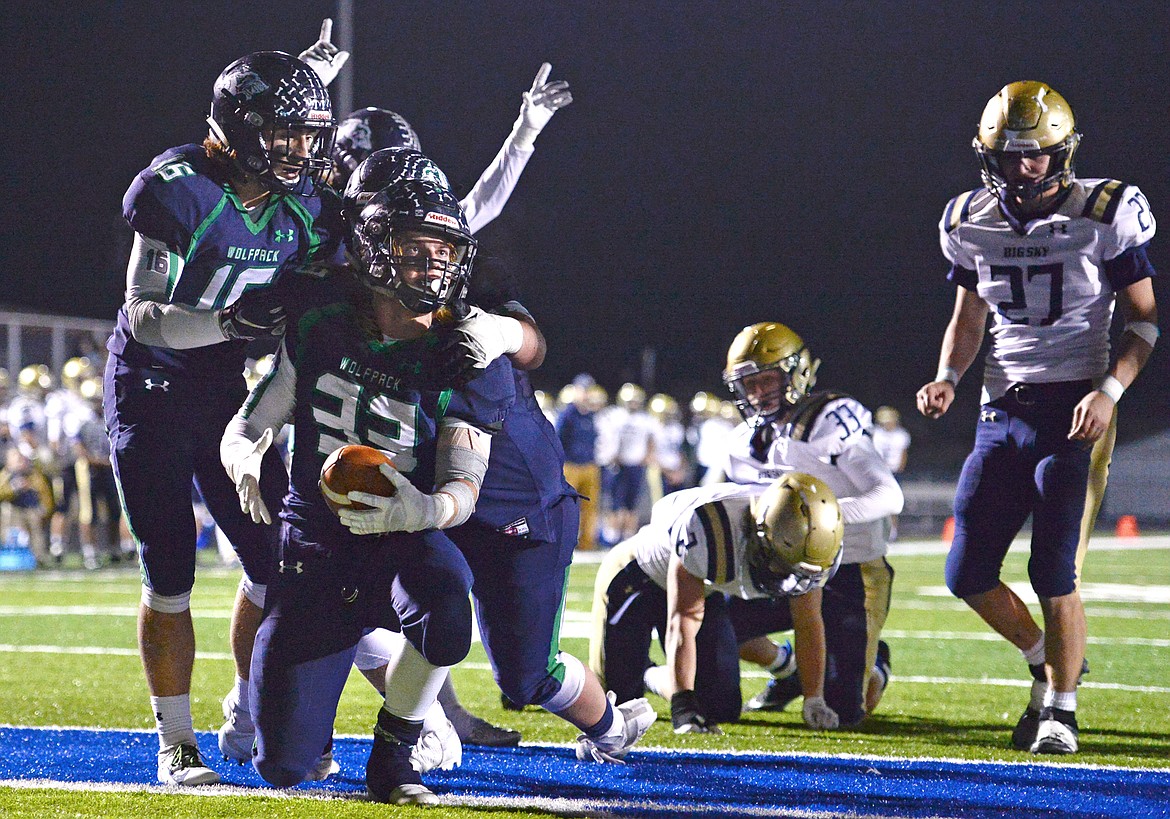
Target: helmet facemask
{"x": 1060, "y": 168}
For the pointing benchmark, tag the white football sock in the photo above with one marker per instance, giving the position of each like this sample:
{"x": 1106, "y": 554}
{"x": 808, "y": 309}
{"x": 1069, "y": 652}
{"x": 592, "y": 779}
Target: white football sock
{"x": 172, "y": 716}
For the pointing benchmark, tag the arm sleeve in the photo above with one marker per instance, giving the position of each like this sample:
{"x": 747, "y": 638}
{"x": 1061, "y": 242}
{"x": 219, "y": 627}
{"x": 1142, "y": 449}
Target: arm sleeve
{"x": 269, "y": 406}
{"x": 150, "y": 276}
{"x": 461, "y": 461}
{"x": 486, "y": 199}
{"x": 879, "y": 496}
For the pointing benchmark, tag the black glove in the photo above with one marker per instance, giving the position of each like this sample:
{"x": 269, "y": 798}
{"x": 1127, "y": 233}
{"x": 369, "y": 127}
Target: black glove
{"x": 256, "y": 314}
{"x": 687, "y": 717}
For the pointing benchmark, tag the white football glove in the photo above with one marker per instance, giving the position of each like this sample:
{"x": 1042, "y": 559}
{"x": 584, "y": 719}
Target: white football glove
{"x": 487, "y": 336}
{"x": 244, "y": 471}
{"x": 323, "y": 57}
{"x": 540, "y": 102}
{"x": 818, "y": 715}
{"x": 407, "y": 511}
{"x": 438, "y": 745}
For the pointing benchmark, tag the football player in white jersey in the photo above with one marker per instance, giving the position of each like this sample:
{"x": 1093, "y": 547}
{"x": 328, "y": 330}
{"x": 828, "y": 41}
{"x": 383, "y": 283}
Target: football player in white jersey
{"x": 790, "y": 428}
{"x": 1047, "y": 256}
{"x": 780, "y": 541}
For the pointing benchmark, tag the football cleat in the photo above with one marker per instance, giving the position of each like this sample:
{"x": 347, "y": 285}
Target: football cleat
{"x": 237, "y": 735}
{"x": 390, "y": 777}
{"x": 1024, "y": 734}
{"x": 181, "y": 765}
{"x": 1058, "y": 732}
{"x": 776, "y": 695}
{"x": 879, "y": 678}
{"x": 438, "y": 745}
{"x": 637, "y": 717}
{"x": 473, "y": 730}
{"x": 657, "y": 679}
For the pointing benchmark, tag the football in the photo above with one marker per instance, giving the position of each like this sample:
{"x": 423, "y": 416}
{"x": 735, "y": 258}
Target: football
{"x": 354, "y": 468}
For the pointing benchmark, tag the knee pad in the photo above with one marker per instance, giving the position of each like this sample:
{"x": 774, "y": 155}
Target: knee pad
{"x": 255, "y": 592}
{"x": 167, "y": 604}
{"x": 571, "y": 683}
{"x": 375, "y": 649}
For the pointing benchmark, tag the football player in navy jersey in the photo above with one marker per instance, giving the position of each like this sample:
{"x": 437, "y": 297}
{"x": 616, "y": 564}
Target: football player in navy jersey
{"x": 216, "y": 225}
{"x": 1048, "y": 256}
{"x": 362, "y": 365}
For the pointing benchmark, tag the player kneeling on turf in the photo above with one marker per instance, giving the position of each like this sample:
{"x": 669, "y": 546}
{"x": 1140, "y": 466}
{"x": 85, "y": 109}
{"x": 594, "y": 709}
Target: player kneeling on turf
{"x": 747, "y": 541}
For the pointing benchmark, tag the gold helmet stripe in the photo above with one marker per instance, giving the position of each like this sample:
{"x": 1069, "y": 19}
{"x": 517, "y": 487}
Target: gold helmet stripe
{"x": 1104, "y": 201}
{"x": 720, "y": 544}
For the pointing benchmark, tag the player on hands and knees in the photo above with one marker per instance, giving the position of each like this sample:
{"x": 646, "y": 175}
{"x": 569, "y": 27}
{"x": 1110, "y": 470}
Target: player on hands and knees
{"x": 1048, "y": 256}
{"x": 216, "y": 226}
{"x": 702, "y": 546}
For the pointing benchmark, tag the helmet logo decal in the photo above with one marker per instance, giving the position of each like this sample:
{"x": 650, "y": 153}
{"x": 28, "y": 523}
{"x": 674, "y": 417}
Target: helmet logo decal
{"x": 246, "y": 85}
{"x": 441, "y": 219}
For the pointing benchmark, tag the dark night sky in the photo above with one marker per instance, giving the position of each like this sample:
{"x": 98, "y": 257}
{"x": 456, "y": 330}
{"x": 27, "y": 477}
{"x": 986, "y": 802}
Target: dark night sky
{"x": 723, "y": 163}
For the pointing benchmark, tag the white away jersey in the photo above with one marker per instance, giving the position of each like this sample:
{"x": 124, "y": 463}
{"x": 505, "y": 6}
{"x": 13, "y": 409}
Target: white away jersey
{"x": 1049, "y": 283}
{"x": 707, "y": 527}
{"x": 838, "y": 449}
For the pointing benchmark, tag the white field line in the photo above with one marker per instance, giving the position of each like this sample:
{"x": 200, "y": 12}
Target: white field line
{"x": 749, "y": 673}
{"x": 1090, "y": 592}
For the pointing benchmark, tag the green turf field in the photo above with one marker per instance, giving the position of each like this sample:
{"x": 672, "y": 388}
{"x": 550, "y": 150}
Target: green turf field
{"x": 68, "y": 658}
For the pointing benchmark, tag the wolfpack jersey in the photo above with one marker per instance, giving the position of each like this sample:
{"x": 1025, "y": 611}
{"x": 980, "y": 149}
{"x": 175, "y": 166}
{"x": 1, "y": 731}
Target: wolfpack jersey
{"x": 837, "y": 448}
{"x": 348, "y": 388}
{"x": 205, "y": 250}
{"x": 1049, "y": 283}
{"x": 707, "y": 527}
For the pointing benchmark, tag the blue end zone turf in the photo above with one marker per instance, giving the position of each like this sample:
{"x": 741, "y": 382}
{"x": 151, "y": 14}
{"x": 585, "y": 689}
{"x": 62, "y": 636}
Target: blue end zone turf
{"x": 654, "y": 783}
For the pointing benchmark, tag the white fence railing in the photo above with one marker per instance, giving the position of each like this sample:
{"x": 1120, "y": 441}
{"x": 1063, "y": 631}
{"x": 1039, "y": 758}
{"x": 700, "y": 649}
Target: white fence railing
{"x": 36, "y": 338}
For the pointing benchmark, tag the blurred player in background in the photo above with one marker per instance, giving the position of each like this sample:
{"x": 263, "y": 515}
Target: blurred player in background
{"x": 216, "y": 225}
{"x": 892, "y": 442}
{"x": 1048, "y": 256}
{"x": 576, "y": 428}
{"x": 787, "y": 428}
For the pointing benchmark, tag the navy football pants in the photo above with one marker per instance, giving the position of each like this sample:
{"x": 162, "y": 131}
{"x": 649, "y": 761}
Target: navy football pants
{"x": 519, "y": 591}
{"x": 320, "y": 602}
{"x": 164, "y": 433}
{"x": 636, "y": 606}
{"x": 1022, "y": 464}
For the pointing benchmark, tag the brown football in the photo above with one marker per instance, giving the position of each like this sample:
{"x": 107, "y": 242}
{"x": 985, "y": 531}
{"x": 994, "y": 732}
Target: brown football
{"x": 354, "y": 468}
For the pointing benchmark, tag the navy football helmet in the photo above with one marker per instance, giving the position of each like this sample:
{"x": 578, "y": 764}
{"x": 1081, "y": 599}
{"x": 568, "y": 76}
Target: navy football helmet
{"x": 388, "y": 167}
{"x": 365, "y": 131}
{"x": 259, "y": 103}
{"x": 422, "y": 285}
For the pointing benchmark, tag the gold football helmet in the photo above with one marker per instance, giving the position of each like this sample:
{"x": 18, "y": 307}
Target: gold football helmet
{"x": 631, "y": 396}
{"x": 704, "y": 405}
{"x": 596, "y": 397}
{"x": 797, "y": 539}
{"x": 760, "y": 348}
{"x": 1026, "y": 117}
{"x": 664, "y": 407}
{"x": 75, "y": 371}
{"x": 35, "y": 378}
